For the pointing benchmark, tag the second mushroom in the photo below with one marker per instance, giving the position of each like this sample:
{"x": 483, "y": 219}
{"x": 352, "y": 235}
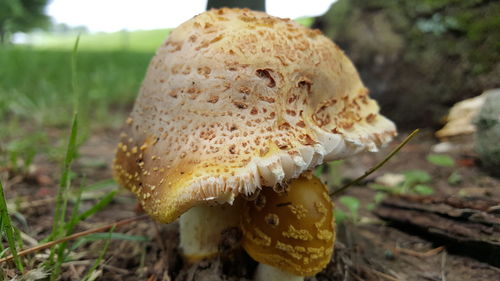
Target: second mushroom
{"x": 292, "y": 232}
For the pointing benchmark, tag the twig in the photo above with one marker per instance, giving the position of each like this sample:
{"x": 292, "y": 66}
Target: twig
{"x": 158, "y": 237}
{"x": 74, "y": 236}
{"x": 443, "y": 264}
{"x": 88, "y": 262}
{"x": 429, "y": 253}
{"x": 74, "y": 272}
{"x": 32, "y": 241}
{"x": 35, "y": 203}
{"x": 398, "y": 250}
{"x": 357, "y": 277}
{"x": 164, "y": 249}
{"x": 383, "y": 275}
{"x": 380, "y": 164}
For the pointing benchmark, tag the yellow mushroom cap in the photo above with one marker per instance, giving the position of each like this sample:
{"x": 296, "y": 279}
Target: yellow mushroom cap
{"x": 293, "y": 230}
{"x": 235, "y": 100}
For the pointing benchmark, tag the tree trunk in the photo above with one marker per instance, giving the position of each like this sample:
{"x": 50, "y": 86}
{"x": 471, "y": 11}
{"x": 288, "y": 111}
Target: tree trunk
{"x": 2, "y": 35}
{"x": 419, "y": 57}
{"x": 469, "y": 226}
{"x": 258, "y": 5}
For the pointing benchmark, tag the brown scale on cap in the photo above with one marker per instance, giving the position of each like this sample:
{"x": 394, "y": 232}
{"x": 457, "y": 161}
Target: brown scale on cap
{"x": 293, "y": 230}
{"x": 294, "y": 98}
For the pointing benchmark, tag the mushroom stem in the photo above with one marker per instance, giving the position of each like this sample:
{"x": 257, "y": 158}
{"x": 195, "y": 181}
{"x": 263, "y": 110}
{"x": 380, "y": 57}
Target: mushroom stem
{"x": 270, "y": 273}
{"x": 201, "y": 227}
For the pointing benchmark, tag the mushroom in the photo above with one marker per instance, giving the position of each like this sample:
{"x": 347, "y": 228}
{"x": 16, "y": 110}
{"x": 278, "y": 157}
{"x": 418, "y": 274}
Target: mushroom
{"x": 290, "y": 233}
{"x": 235, "y": 101}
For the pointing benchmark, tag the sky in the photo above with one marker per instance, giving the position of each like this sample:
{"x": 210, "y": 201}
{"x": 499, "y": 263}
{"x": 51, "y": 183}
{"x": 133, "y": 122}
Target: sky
{"x": 114, "y": 15}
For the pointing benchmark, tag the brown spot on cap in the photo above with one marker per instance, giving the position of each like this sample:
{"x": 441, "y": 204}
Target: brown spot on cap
{"x": 240, "y": 104}
{"x": 213, "y": 99}
{"x": 266, "y": 74}
{"x": 371, "y": 117}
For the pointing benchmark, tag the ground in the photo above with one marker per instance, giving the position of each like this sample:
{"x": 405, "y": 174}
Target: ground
{"x": 367, "y": 248}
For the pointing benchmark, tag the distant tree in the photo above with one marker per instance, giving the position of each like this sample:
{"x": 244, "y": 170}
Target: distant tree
{"x": 258, "y": 5}
{"x": 62, "y": 28}
{"x": 21, "y": 15}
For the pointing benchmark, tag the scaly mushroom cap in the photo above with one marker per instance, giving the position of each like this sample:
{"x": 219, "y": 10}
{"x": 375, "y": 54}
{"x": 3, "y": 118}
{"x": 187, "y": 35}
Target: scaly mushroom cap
{"x": 235, "y": 100}
{"x": 293, "y": 230}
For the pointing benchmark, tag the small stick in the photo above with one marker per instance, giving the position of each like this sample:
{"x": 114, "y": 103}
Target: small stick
{"x": 443, "y": 263}
{"x": 89, "y": 262}
{"x": 356, "y": 276}
{"x": 74, "y": 236}
{"x": 386, "y": 276}
{"x": 429, "y": 253}
{"x": 380, "y": 164}
{"x": 35, "y": 203}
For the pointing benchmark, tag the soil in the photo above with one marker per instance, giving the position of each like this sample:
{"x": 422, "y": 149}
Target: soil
{"x": 366, "y": 249}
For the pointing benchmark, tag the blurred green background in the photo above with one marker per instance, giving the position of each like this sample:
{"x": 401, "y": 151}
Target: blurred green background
{"x": 42, "y": 80}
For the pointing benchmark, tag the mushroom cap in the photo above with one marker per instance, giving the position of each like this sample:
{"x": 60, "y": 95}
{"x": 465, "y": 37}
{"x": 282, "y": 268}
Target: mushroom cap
{"x": 293, "y": 230}
{"x": 235, "y": 100}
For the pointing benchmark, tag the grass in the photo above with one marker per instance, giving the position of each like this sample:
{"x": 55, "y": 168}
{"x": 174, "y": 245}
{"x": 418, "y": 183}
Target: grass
{"x": 7, "y": 230}
{"x": 92, "y": 274}
{"x": 36, "y": 99}
{"x": 62, "y": 226}
{"x": 35, "y": 83}
{"x": 64, "y": 222}
{"x": 136, "y": 41}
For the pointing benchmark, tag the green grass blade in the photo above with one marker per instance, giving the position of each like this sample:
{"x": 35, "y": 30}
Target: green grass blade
{"x": 2, "y": 249}
{"x": 94, "y": 209}
{"x": 56, "y": 268}
{"x": 8, "y": 229}
{"x": 64, "y": 183}
{"x": 70, "y": 225}
{"x": 80, "y": 102}
{"x": 101, "y": 256}
{"x": 74, "y": 214}
{"x": 441, "y": 160}
{"x": 74, "y": 80}
{"x": 62, "y": 199}
{"x": 100, "y": 185}
{"x": 60, "y": 249}
{"x": 3, "y": 252}
{"x": 99, "y": 206}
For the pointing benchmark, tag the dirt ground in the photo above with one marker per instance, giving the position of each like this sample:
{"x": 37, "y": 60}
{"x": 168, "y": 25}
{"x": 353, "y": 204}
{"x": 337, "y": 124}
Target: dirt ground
{"x": 369, "y": 249}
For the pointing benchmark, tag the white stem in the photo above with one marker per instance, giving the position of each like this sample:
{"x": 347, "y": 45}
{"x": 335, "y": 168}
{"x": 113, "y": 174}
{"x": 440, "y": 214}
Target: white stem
{"x": 270, "y": 273}
{"x": 201, "y": 226}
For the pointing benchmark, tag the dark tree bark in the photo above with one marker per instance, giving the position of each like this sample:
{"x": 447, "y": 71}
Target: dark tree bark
{"x": 419, "y": 57}
{"x": 469, "y": 226}
{"x": 258, "y": 5}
